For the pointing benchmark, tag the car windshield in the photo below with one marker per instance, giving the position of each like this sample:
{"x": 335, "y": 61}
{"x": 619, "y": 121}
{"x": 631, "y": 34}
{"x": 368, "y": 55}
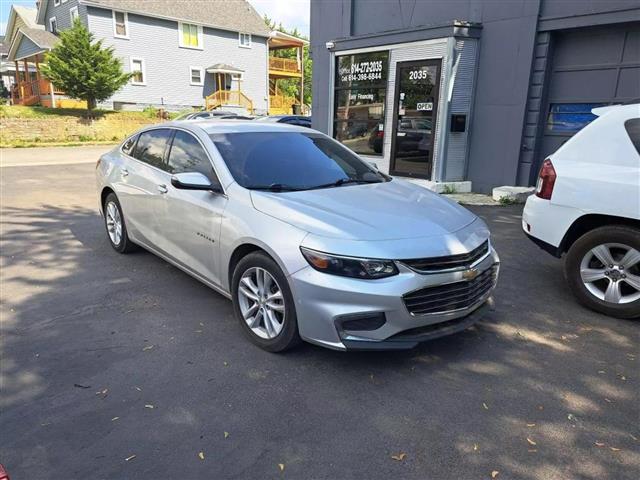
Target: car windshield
{"x": 285, "y": 161}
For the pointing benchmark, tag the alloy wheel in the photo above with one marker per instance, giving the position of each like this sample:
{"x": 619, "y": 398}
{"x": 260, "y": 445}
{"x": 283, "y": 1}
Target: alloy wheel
{"x": 114, "y": 223}
{"x": 611, "y": 273}
{"x": 261, "y": 303}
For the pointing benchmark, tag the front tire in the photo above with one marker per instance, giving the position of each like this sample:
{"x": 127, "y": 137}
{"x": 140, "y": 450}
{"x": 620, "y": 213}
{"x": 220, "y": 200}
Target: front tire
{"x": 603, "y": 270}
{"x": 263, "y": 303}
{"x": 115, "y": 225}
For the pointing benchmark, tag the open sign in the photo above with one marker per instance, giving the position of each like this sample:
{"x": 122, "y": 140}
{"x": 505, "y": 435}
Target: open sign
{"x": 425, "y": 106}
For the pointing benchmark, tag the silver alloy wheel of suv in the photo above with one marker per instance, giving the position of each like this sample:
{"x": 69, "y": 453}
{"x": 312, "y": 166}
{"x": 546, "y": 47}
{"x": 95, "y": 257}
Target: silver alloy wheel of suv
{"x": 609, "y": 272}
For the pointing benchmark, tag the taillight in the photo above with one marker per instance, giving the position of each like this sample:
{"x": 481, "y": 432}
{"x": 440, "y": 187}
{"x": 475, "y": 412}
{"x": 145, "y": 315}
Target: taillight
{"x": 546, "y": 180}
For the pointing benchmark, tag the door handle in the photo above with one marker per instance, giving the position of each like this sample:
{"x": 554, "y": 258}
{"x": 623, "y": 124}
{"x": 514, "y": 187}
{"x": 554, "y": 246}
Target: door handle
{"x": 162, "y": 188}
{"x": 124, "y": 172}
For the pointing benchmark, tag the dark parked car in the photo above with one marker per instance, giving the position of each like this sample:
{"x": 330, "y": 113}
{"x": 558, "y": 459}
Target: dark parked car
{"x": 299, "y": 120}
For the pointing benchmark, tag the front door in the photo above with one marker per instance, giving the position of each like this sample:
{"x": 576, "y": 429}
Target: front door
{"x": 414, "y": 117}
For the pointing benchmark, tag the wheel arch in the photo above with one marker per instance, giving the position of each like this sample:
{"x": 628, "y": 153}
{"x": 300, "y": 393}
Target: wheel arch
{"x": 246, "y": 247}
{"x": 589, "y": 222}
{"x": 103, "y": 196}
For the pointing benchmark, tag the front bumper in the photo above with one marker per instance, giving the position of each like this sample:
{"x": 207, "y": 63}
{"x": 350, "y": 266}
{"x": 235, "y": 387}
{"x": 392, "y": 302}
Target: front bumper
{"x": 323, "y": 300}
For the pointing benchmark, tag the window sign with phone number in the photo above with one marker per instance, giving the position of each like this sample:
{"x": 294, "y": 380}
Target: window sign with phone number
{"x": 362, "y": 70}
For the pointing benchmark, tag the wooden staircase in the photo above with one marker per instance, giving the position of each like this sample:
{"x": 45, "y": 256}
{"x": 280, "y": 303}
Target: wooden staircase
{"x": 221, "y": 98}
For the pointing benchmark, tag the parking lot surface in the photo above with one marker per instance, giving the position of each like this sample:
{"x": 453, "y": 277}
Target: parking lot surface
{"x": 122, "y": 367}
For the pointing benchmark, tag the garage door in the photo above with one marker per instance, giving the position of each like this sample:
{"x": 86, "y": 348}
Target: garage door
{"x": 590, "y": 67}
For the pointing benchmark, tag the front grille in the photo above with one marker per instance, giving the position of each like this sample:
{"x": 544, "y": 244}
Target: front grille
{"x": 461, "y": 261}
{"x": 452, "y": 296}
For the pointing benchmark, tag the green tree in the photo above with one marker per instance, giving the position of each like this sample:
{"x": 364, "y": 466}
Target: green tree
{"x": 83, "y": 68}
{"x": 291, "y": 87}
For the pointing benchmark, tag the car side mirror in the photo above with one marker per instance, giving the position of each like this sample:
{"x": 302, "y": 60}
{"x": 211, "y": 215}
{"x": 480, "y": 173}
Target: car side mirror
{"x": 194, "y": 181}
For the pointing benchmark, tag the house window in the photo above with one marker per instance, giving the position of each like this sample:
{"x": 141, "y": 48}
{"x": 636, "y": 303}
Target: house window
{"x": 53, "y": 25}
{"x": 137, "y": 68}
{"x": 197, "y": 75}
{"x": 245, "y": 40}
{"x": 190, "y": 36}
{"x": 64, "y": 1}
{"x": 56, "y": 3}
{"x": 120, "y": 24}
{"x": 73, "y": 12}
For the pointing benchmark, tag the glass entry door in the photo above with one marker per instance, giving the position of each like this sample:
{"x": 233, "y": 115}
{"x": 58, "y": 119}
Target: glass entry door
{"x": 414, "y": 120}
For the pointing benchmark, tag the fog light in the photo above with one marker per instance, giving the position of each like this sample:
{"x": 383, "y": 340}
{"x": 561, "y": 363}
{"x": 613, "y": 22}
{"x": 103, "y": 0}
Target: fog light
{"x": 358, "y": 322}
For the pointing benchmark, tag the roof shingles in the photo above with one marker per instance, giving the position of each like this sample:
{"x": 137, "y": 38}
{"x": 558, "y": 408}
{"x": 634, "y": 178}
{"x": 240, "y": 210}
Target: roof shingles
{"x": 233, "y": 15}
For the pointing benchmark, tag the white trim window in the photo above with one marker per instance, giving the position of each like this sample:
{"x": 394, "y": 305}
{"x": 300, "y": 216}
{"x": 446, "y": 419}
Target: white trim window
{"x": 73, "y": 13}
{"x": 53, "y": 25}
{"x": 190, "y": 36}
{"x": 196, "y": 76}
{"x": 244, "y": 40}
{"x": 136, "y": 66}
{"x": 64, "y": 1}
{"x": 56, "y": 3}
{"x": 120, "y": 24}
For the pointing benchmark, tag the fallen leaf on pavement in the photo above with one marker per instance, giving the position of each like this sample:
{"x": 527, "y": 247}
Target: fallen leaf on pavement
{"x": 494, "y": 474}
{"x": 77, "y": 385}
{"x": 532, "y": 450}
{"x": 531, "y": 442}
{"x": 198, "y": 331}
{"x": 607, "y": 400}
{"x": 201, "y": 455}
{"x": 399, "y": 457}
{"x": 531, "y": 425}
{"x": 131, "y": 457}
{"x": 599, "y": 444}
{"x": 475, "y": 447}
{"x": 138, "y": 388}
{"x": 114, "y": 419}
{"x": 614, "y": 449}
{"x": 226, "y": 364}
{"x": 226, "y": 434}
{"x": 148, "y": 347}
{"x": 281, "y": 467}
{"x": 484, "y": 405}
{"x": 149, "y": 406}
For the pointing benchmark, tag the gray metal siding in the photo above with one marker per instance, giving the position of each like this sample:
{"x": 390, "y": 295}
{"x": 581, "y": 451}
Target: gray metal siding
{"x": 26, "y": 49}
{"x": 167, "y": 65}
{"x": 63, "y": 15}
{"x": 461, "y": 102}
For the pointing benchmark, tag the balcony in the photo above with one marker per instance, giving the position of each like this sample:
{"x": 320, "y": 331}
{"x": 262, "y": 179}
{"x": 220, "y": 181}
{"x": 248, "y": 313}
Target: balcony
{"x": 284, "y": 67}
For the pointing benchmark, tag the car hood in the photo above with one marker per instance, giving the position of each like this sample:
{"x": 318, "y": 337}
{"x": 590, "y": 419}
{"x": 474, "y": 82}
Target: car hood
{"x": 382, "y": 211}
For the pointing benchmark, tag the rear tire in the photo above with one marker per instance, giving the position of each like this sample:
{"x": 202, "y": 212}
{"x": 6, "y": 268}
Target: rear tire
{"x": 116, "y": 226}
{"x": 263, "y": 303}
{"x": 603, "y": 270}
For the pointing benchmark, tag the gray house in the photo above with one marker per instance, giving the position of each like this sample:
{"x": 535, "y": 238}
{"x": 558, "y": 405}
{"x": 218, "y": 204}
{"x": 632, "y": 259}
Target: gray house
{"x": 183, "y": 54}
{"x": 470, "y": 93}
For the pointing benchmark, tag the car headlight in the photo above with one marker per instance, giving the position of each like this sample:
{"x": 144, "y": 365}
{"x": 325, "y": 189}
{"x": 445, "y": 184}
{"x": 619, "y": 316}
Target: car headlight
{"x": 365, "y": 268}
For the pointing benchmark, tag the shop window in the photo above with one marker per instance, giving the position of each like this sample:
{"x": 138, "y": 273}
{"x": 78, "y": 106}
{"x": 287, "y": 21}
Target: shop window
{"x": 359, "y": 101}
{"x": 570, "y": 117}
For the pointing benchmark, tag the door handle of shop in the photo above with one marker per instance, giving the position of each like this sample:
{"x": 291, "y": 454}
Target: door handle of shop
{"x": 124, "y": 172}
{"x": 162, "y": 188}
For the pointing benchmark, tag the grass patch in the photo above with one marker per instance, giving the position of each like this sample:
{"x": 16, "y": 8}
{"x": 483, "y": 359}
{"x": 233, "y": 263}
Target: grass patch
{"x": 21, "y": 111}
{"x": 29, "y": 144}
{"x": 508, "y": 201}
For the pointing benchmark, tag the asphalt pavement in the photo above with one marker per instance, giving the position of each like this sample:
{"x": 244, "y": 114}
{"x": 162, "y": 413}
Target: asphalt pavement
{"x": 123, "y": 367}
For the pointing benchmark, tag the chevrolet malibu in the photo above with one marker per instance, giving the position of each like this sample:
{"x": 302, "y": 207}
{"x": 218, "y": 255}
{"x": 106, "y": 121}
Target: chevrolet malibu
{"x": 308, "y": 241}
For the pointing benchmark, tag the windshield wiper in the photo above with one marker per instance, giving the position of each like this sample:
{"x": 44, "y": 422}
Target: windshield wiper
{"x": 275, "y": 187}
{"x": 343, "y": 181}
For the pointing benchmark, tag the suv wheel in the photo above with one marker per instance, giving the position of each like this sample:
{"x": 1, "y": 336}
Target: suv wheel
{"x": 263, "y": 303}
{"x": 115, "y": 225}
{"x": 603, "y": 270}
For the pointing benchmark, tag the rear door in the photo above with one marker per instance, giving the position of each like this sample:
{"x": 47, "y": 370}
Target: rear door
{"x": 145, "y": 183}
{"x": 191, "y": 223}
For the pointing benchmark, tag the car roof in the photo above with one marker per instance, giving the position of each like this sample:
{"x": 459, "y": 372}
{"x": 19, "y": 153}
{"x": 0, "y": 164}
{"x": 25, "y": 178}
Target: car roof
{"x": 236, "y": 126}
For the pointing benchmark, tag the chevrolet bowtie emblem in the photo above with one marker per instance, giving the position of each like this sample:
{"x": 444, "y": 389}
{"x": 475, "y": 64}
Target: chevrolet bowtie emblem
{"x": 470, "y": 274}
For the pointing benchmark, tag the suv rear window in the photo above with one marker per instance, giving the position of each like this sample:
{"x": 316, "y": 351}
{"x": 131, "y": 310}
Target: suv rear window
{"x": 632, "y": 126}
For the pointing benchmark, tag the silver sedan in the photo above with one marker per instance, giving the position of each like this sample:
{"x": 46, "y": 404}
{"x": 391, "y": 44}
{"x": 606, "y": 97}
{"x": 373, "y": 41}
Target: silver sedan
{"x": 308, "y": 240}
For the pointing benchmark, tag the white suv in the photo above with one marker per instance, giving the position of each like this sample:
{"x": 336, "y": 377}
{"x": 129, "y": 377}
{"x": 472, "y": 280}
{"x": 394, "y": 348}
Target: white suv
{"x": 587, "y": 205}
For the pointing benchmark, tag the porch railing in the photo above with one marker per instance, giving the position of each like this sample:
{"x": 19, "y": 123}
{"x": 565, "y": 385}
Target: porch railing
{"x": 284, "y": 65}
{"x": 29, "y": 93}
{"x": 228, "y": 97}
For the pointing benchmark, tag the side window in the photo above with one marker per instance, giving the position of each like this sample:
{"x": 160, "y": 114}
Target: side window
{"x": 632, "y": 126}
{"x": 151, "y": 147}
{"x": 127, "y": 146}
{"x": 187, "y": 155}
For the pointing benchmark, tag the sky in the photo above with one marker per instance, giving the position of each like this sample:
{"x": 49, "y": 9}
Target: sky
{"x": 291, "y": 13}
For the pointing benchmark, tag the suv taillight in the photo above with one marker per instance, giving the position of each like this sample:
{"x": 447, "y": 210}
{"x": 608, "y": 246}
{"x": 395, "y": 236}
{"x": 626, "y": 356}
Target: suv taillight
{"x": 546, "y": 180}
